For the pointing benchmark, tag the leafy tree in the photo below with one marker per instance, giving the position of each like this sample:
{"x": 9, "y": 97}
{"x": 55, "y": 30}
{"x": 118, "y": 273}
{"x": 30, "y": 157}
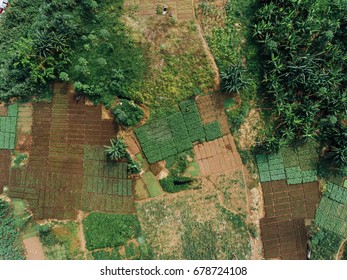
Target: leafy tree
{"x": 233, "y": 79}
{"x": 117, "y": 149}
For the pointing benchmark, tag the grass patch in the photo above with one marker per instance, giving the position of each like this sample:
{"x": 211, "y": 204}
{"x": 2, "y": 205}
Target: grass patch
{"x": 152, "y": 184}
{"x": 179, "y": 67}
{"x": 60, "y": 241}
{"x": 110, "y": 230}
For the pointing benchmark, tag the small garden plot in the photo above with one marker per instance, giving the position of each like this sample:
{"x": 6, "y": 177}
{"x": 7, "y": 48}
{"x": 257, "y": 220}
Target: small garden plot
{"x": 5, "y": 161}
{"x": 332, "y": 215}
{"x": 334, "y": 192}
{"x": 212, "y": 131}
{"x": 297, "y": 165}
{"x": 175, "y": 133}
{"x": 8, "y": 126}
{"x": 271, "y": 167}
{"x": 192, "y": 120}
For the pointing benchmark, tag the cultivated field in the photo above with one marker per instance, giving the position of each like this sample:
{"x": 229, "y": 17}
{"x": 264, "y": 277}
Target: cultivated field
{"x": 67, "y": 169}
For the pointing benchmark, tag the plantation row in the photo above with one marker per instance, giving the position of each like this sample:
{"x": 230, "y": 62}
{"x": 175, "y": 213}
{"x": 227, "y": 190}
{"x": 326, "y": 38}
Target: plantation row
{"x": 176, "y": 133}
{"x": 8, "y": 126}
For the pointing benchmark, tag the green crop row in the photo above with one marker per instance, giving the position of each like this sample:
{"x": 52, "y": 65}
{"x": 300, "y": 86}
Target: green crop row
{"x": 8, "y": 126}
{"x": 212, "y": 131}
{"x": 175, "y": 133}
{"x": 336, "y": 193}
{"x": 192, "y": 119}
{"x": 270, "y": 167}
{"x": 332, "y": 215}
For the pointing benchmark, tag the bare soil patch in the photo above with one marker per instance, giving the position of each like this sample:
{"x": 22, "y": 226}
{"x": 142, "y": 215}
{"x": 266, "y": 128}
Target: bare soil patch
{"x": 249, "y": 130}
{"x": 33, "y": 249}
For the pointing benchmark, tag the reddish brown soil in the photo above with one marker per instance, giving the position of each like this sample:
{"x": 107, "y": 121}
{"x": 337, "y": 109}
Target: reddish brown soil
{"x": 3, "y": 110}
{"x": 33, "y": 249}
{"x": 53, "y": 180}
{"x": 286, "y": 208}
{"x": 217, "y": 156}
{"x": 5, "y": 162}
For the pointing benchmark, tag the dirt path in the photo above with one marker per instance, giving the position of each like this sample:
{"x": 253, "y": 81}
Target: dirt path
{"x": 210, "y": 57}
{"x": 341, "y": 249}
{"x": 33, "y": 248}
{"x": 81, "y": 236}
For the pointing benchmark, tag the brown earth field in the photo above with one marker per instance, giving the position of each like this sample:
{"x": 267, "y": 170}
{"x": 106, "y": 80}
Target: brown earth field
{"x": 67, "y": 169}
{"x": 283, "y": 227}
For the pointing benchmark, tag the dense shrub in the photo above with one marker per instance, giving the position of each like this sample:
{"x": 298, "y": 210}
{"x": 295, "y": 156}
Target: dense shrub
{"x": 110, "y": 230}
{"x": 127, "y": 113}
{"x": 10, "y": 245}
{"x": 174, "y": 184}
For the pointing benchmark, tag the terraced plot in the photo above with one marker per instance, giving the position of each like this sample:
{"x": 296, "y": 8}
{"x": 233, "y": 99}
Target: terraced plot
{"x": 5, "y": 161}
{"x": 8, "y": 125}
{"x": 62, "y": 174}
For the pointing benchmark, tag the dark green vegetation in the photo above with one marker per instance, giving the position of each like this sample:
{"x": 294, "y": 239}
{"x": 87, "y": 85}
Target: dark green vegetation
{"x": 233, "y": 79}
{"x": 175, "y": 133}
{"x": 117, "y": 149}
{"x": 107, "y": 234}
{"x": 10, "y": 244}
{"x": 58, "y": 41}
{"x": 324, "y": 245}
{"x": 60, "y": 240}
{"x": 304, "y": 45}
{"x": 174, "y": 184}
{"x": 110, "y": 230}
{"x": 127, "y": 113}
{"x": 228, "y": 30}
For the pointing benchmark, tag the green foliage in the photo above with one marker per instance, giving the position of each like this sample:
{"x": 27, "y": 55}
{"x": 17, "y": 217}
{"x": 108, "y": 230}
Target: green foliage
{"x": 10, "y": 244}
{"x": 171, "y": 134}
{"x": 174, "y": 184}
{"x": 117, "y": 150}
{"x": 58, "y": 42}
{"x": 106, "y": 255}
{"x": 332, "y": 215}
{"x": 8, "y": 126}
{"x": 336, "y": 193}
{"x": 324, "y": 245}
{"x": 110, "y": 230}
{"x": 127, "y": 113}
{"x": 59, "y": 240}
{"x": 304, "y": 52}
{"x": 212, "y": 131}
{"x": 233, "y": 79}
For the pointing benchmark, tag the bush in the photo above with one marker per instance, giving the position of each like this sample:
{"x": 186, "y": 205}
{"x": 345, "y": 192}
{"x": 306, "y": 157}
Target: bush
{"x": 117, "y": 150}
{"x": 127, "y": 113}
{"x": 233, "y": 79}
{"x": 174, "y": 184}
{"x": 110, "y": 230}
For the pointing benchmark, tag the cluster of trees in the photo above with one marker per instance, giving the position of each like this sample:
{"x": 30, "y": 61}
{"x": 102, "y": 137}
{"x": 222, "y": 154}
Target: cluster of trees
{"x": 303, "y": 43}
{"x": 70, "y": 40}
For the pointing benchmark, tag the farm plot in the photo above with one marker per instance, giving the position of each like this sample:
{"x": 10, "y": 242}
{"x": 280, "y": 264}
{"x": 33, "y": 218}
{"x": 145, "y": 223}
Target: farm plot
{"x": 217, "y": 156}
{"x": 211, "y": 109}
{"x": 5, "y": 161}
{"x": 8, "y": 125}
{"x": 106, "y": 186}
{"x": 286, "y": 207}
{"x": 182, "y": 9}
{"x": 175, "y": 133}
{"x": 24, "y": 127}
{"x": 57, "y": 180}
{"x": 297, "y": 165}
{"x": 332, "y": 215}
